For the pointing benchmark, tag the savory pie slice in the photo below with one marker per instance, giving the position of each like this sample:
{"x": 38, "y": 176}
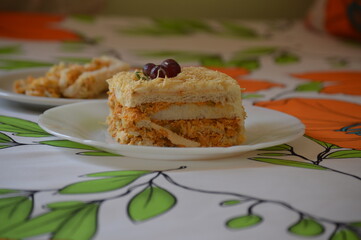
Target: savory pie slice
{"x": 198, "y": 107}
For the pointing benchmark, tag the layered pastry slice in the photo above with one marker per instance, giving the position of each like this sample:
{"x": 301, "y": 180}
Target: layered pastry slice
{"x": 72, "y": 80}
{"x": 198, "y": 107}
{"x": 89, "y": 80}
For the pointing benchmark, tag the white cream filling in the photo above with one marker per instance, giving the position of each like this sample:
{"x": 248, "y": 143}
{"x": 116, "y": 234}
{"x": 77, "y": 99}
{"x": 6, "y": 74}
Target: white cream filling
{"x": 195, "y": 111}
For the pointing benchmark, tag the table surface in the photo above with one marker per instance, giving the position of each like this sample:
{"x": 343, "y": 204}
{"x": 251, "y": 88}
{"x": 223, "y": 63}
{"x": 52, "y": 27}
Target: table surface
{"x": 56, "y": 189}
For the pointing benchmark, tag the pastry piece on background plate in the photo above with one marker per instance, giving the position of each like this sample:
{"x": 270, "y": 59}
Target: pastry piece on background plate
{"x": 44, "y": 86}
{"x": 89, "y": 81}
{"x": 73, "y": 80}
{"x": 166, "y": 105}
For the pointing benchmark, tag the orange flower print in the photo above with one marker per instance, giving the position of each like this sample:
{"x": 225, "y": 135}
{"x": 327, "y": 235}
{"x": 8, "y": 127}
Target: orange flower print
{"x": 347, "y": 82}
{"x": 249, "y": 85}
{"x": 34, "y": 26}
{"x": 331, "y": 121}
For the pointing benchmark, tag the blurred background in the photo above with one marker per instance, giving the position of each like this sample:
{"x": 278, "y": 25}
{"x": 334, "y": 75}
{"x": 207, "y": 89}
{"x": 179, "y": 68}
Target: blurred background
{"x": 215, "y": 9}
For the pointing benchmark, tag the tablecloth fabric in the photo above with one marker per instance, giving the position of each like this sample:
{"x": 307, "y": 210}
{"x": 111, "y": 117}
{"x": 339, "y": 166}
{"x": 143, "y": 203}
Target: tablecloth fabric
{"x": 56, "y": 189}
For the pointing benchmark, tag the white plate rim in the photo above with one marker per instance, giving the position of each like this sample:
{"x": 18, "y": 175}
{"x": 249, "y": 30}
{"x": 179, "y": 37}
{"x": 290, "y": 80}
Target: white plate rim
{"x": 196, "y": 152}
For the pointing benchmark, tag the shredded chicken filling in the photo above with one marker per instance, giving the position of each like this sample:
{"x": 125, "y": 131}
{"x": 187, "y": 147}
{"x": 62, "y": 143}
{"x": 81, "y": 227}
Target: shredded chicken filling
{"x": 221, "y": 132}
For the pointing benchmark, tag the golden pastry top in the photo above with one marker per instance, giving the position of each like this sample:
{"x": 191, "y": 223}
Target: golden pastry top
{"x": 193, "y": 84}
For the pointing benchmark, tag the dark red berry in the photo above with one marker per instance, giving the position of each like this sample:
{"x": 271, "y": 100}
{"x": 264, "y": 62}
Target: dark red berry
{"x": 171, "y": 67}
{"x": 147, "y": 68}
{"x": 157, "y": 71}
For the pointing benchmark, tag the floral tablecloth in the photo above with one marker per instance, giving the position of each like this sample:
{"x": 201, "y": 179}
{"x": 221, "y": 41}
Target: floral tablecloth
{"x": 52, "y": 188}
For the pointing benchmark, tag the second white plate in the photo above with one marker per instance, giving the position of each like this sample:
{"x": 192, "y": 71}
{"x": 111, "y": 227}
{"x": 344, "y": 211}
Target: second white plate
{"x": 85, "y": 123}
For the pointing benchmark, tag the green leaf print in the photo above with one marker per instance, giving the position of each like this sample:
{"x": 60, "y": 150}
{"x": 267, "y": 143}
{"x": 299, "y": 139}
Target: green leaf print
{"x": 7, "y": 191}
{"x": 281, "y": 147}
{"x": 10, "y": 49}
{"x": 97, "y": 154}
{"x": 4, "y": 146}
{"x": 99, "y": 185}
{"x": 125, "y": 173}
{"x": 251, "y": 95}
{"x": 12, "y": 64}
{"x": 323, "y": 144}
{"x": 21, "y": 127}
{"x": 309, "y": 87}
{"x": 67, "y": 144}
{"x": 345, "y": 154}
{"x": 14, "y": 210}
{"x": 32, "y": 134}
{"x": 344, "y": 234}
{"x": 70, "y": 144}
{"x": 65, "y": 205}
{"x": 5, "y": 138}
{"x": 306, "y": 227}
{"x": 4, "y": 202}
{"x": 181, "y": 26}
{"x": 273, "y": 154}
{"x": 45, "y": 223}
{"x": 230, "y": 202}
{"x": 82, "y": 225}
{"x": 249, "y": 64}
{"x": 286, "y": 58}
{"x": 146, "y": 30}
{"x": 238, "y": 30}
{"x": 165, "y": 27}
{"x": 5, "y": 141}
{"x": 212, "y": 61}
{"x": 289, "y": 163}
{"x": 84, "y": 18}
{"x": 149, "y": 203}
{"x": 70, "y": 46}
{"x": 243, "y": 221}
{"x": 337, "y": 62}
{"x": 356, "y": 224}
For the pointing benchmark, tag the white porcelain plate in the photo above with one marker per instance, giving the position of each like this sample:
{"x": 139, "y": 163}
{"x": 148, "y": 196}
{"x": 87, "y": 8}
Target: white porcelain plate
{"x": 6, "y": 92}
{"x": 85, "y": 123}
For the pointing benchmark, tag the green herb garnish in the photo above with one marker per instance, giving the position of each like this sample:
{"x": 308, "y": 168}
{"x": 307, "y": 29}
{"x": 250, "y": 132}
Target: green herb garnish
{"x": 140, "y": 75}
